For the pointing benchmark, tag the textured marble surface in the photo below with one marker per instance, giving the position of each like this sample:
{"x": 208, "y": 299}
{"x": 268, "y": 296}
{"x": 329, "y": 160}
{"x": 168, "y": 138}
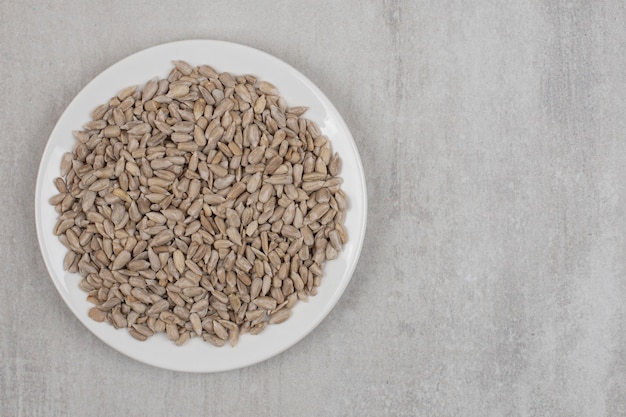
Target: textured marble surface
{"x": 492, "y": 278}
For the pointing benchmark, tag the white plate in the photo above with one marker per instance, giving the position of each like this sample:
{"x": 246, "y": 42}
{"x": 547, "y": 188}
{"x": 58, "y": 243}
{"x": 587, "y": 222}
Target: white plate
{"x": 197, "y": 355}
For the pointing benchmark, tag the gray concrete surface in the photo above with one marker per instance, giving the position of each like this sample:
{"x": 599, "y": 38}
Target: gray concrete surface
{"x": 492, "y": 281}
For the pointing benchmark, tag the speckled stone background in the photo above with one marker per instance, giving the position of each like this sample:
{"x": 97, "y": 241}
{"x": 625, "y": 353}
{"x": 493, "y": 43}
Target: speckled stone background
{"x": 493, "y": 276}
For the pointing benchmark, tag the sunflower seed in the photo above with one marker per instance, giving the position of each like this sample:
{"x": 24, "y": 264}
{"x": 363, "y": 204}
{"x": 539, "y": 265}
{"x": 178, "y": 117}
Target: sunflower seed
{"x": 96, "y": 314}
{"x": 280, "y": 316}
{"x": 266, "y": 303}
{"x": 158, "y": 307}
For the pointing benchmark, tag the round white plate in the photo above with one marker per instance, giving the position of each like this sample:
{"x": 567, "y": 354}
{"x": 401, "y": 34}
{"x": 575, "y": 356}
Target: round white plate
{"x": 197, "y": 355}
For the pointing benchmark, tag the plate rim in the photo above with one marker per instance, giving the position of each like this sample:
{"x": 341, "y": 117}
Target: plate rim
{"x": 339, "y": 291}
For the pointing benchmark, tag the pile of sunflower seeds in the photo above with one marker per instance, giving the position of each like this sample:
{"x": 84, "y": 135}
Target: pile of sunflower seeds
{"x": 199, "y": 205}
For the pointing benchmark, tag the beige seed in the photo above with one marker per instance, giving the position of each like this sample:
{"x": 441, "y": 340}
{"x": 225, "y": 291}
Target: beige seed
{"x": 298, "y": 284}
{"x": 278, "y": 116}
{"x": 243, "y": 264}
{"x": 99, "y": 112}
{"x": 158, "y": 307}
{"x": 140, "y": 129}
{"x": 331, "y": 252}
{"x": 335, "y": 240}
{"x": 172, "y": 331}
{"x": 143, "y": 330}
{"x": 179, "y": 137}
{"x": 193, "y": 291}
{"x": 127, "y": 92}
{"x": 307, "y": 236}
{"x": 280, "y": 316}
{"x": 106, "y": 172}
{"x": 196, "y": 324}
{"x": 290, "y": 232}
{"x": 178, "y": 91}
{"x": 342, "y": 233}
{"x": 310, "y": 186}
{"x": 222, "y": 244}
{"x": 95, "y": 125}
{"x": 233, "y": 336}
{"x": 255, "y": 287}
{"x": 234, "y": 236}
{"x": 213, "y": 339}
{"x": 68, "y": 260}
{"x": 62, "y": 226}
{"x": 257, "y": 328}
{"x": 256, "y": 155}
{"x": 149, "y": 90}
{"x": 259, "y": 104}
{"x": 266, "y": 193}
{"x": 222, "y": 107}
{"x": 138, "y": 265}
{"x": 236, "y": 191}
{"x": 134, "y": 333}
{"x": 218, "y": 170}
{"x": 267, "y": 88}
{"x": 273, "y": 164}
{"x": 317, "y": 212}
{"x": 111, "y": 131}
{"x": 243, "y": 93}
{"x": 334, "y": 166}
{"x": 57, "y": 199}
{"x": 183, "y": 67}
{"x": 162, "y": 237}
{"x": 224, "y": 182}
{"x": 280, "y": 179}
{"x": 118, "y": 319}
{"x": 173, "y": 214}
{"x": 251, "y": 228}
{"x": 179, "y": 261}
{"x": 109, "y": 304}
{"x": 99, "y": 185}
{"x": 233, "y": 218}
{"x": 255, "y": 315}
{"x": 121, "y": 260}
{"x": 266, "y": 303}
{"x": 97, "y": 315}
{"x": 220, "y": 331}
